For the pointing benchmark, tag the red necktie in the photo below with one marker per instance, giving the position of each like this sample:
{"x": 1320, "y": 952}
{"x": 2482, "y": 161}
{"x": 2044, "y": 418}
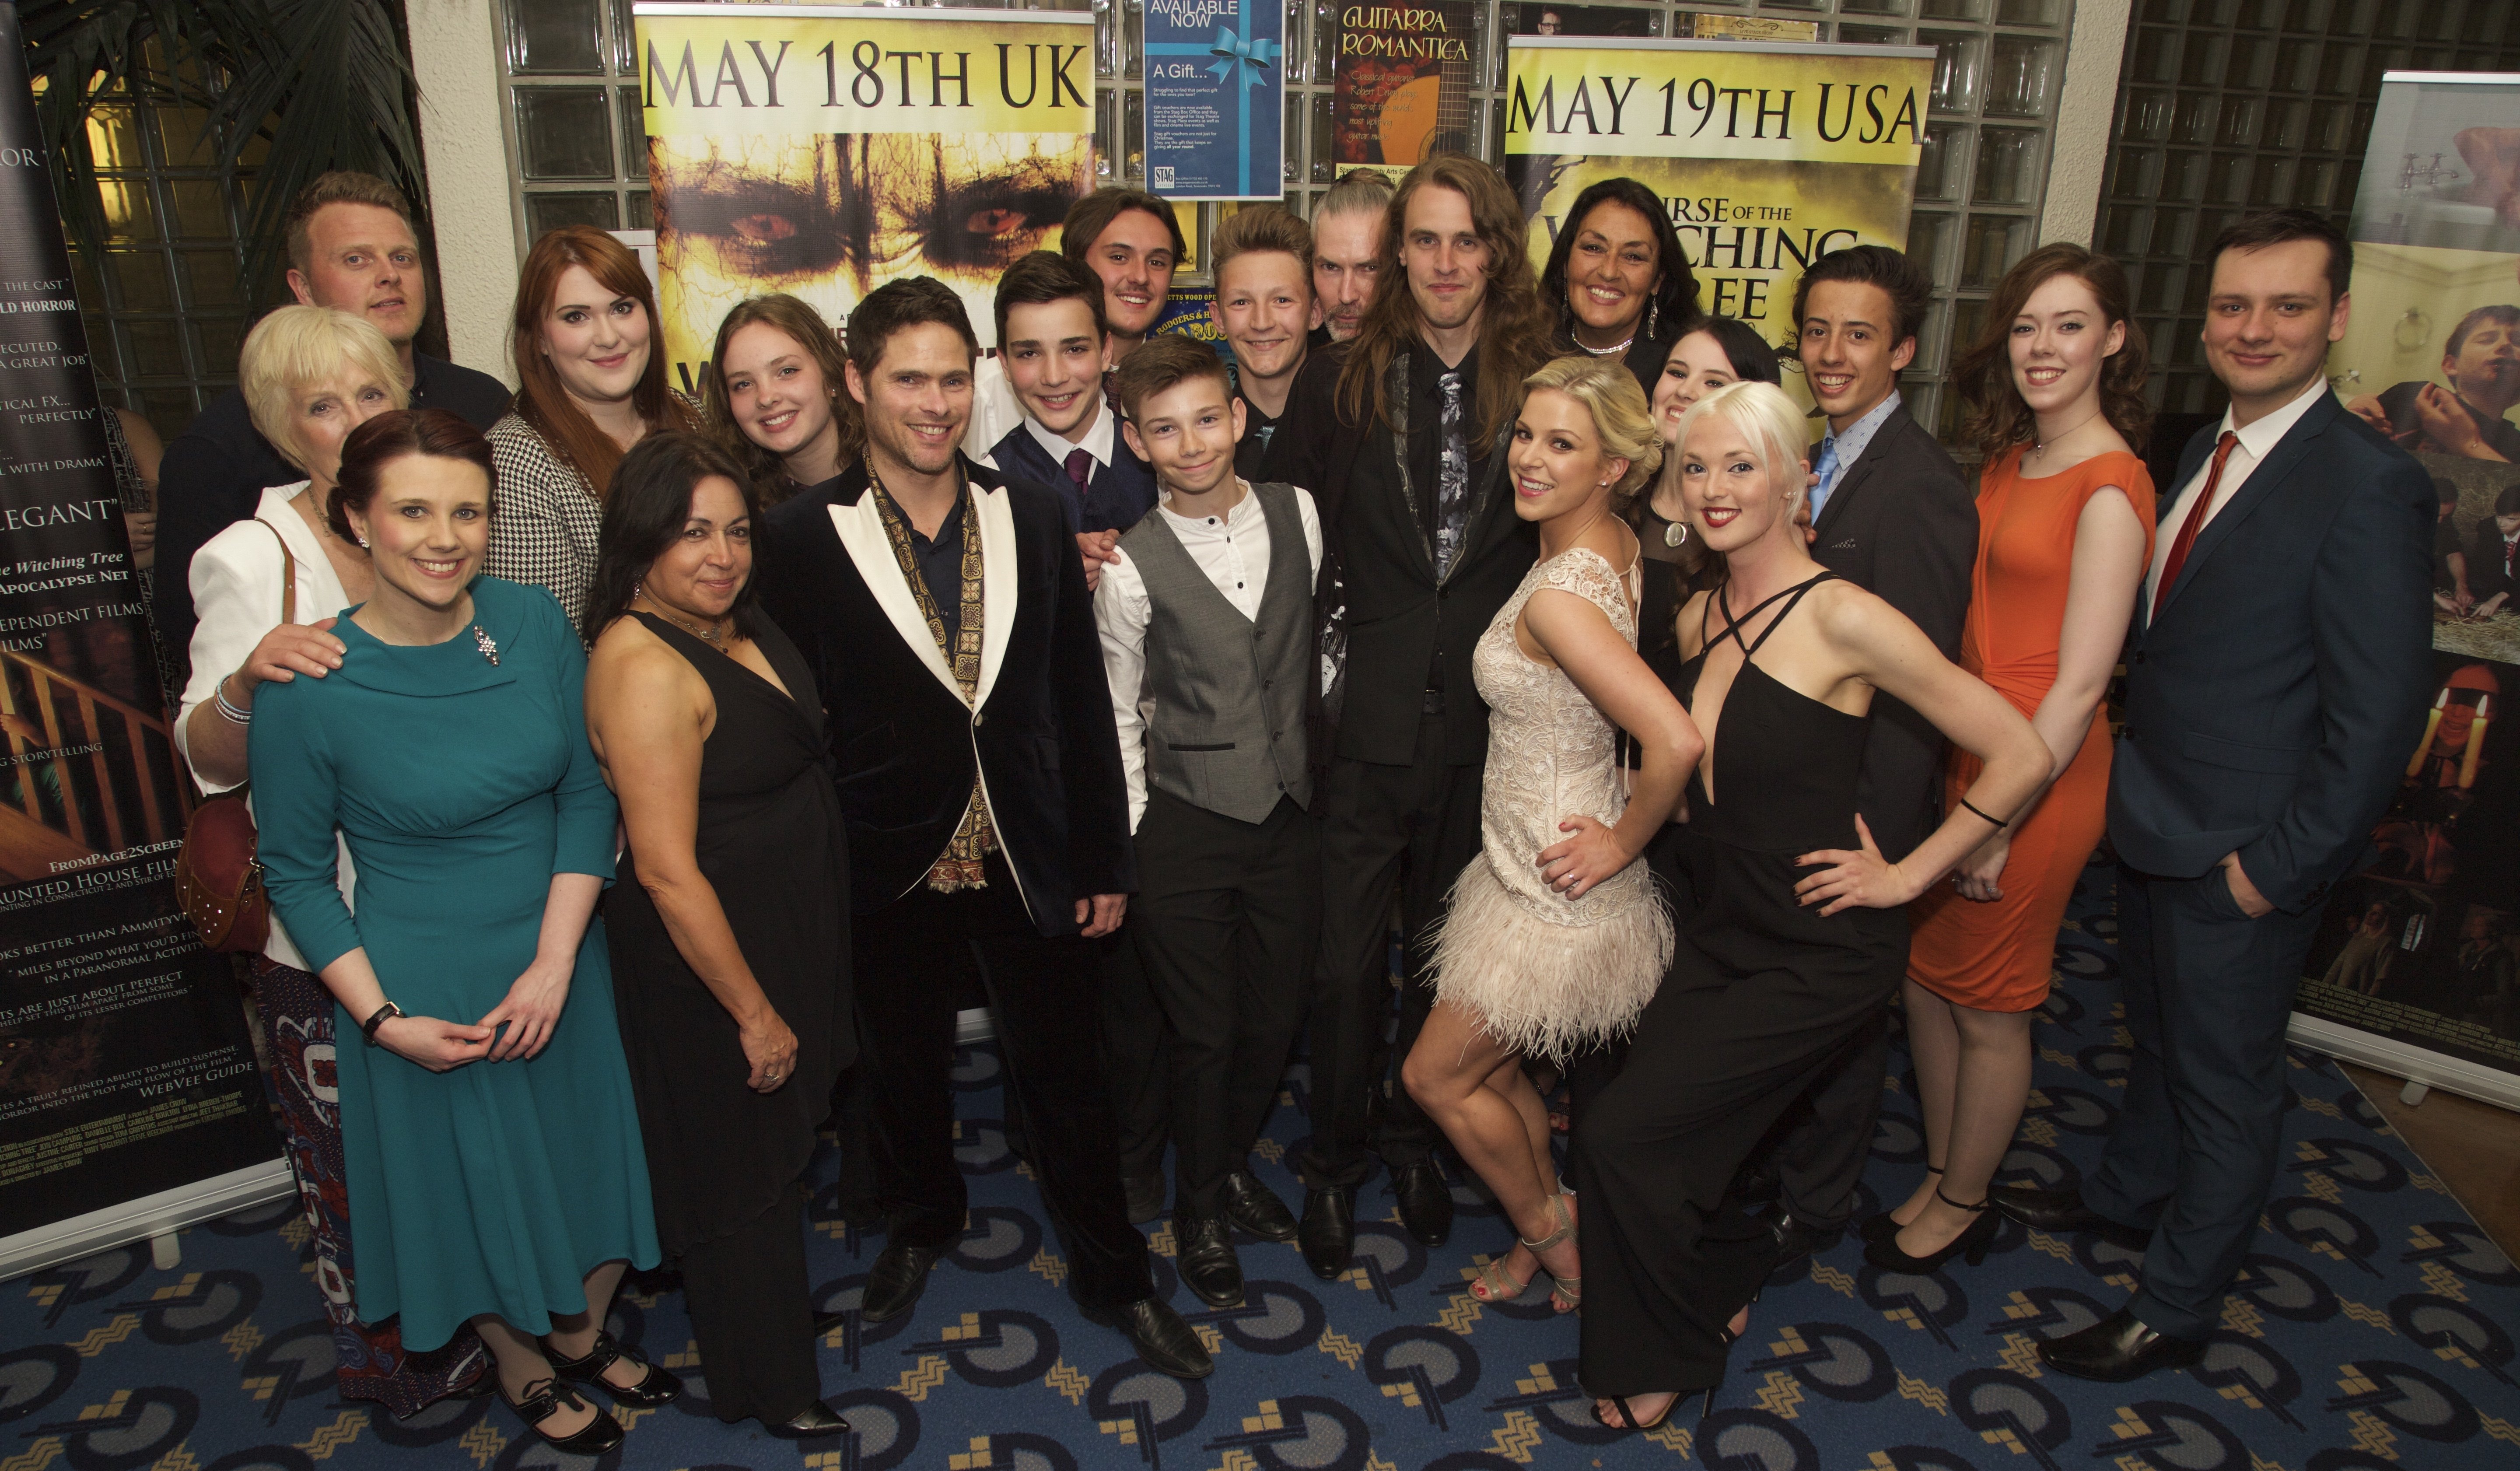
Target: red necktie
{"x": 2195, "y": 521}
{"x": 1080, "y": 469}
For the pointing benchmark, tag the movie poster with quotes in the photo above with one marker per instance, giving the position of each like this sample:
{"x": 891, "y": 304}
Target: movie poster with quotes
{"x": 1768, "y": 156}
{"x": 826, "y": 150}
{"x": 126, "y": 1069}
{"x": 2420, "y": 952}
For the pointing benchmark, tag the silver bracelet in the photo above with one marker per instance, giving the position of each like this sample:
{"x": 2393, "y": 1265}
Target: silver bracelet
{"x": 235, "y": 715}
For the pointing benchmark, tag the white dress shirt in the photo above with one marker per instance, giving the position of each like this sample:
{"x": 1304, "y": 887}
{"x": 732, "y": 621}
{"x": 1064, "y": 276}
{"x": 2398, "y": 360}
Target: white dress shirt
{"x": 2257, "y": 440}
{"x": 1100, "y": 441}
{"x": 1233, "y": 549}
{"x": 235, "y": 580}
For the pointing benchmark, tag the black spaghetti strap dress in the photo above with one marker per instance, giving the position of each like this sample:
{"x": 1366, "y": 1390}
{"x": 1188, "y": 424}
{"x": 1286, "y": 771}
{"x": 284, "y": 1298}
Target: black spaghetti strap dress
{"x": 723, "y": 1160}
{"x": 1764, "y": 996}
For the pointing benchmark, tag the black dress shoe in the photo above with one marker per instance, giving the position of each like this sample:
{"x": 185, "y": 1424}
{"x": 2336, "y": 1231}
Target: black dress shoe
{"x": 828, "y": 1322}
{"x": 544, "y": 1399}
{"x": 1207, "y": 1263}
{"x": 814, "y": 1420}
{"x": 1328, "y": 1234}
{"x": 1160, "y": 1337}
{"x": 1146, "y": 1194}
{"x": 2056, "y": 1211}
{"x": 2118, "y": 1348}
{"x": 894, "y": 1282}
{"x": 1255, "y": 1208}
{"x": 1797, "y": 1240}
{"x": 656, "y": 1387}
{"x": 1425, "y": 1202}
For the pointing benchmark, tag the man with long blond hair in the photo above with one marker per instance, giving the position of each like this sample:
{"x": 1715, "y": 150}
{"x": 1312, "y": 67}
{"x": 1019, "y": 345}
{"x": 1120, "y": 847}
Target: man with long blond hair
{"x": 1404, "y": 453}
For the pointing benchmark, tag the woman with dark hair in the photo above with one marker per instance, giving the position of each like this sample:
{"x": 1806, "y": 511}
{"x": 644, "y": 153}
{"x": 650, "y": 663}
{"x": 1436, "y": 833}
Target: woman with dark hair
{"x": 730, "y": 938}
{"x": 591, "y": 383}
{"x": 492, "y": 1144}
{"x": 1709, "y": 354}
{"x": 1618, "y": 279}
{"x": 2065, "y": 518}
{"x": 777, "y": 397}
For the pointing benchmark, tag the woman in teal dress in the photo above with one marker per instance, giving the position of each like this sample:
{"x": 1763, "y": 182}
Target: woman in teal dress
{"x": 493, "y": 1151}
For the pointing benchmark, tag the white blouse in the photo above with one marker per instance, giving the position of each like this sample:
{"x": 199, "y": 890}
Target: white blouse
{"x": 236, "y": 593}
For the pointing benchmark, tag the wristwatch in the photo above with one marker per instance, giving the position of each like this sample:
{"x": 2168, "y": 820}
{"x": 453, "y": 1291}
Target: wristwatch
{"x": 367, "y": 1028}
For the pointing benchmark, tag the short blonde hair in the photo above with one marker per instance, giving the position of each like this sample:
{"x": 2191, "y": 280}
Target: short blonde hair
{"x": 297, "y": 348}
{"x": 1769, "y": 418}
{"x": 1621, "y": 416}
{"x": 1261, "y": 227}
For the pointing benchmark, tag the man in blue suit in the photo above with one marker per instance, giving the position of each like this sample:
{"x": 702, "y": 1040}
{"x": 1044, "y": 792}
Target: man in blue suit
{"x": 2276, "y": 678}
{"x": 1052, "y": 337}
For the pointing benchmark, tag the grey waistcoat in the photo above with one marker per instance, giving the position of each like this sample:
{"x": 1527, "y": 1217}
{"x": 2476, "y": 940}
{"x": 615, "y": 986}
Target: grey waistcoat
{"x": 1224, "y": 729}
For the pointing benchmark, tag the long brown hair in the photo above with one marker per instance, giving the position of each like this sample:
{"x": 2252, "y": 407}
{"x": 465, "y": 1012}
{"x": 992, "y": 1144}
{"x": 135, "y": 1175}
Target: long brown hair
{"x": 1514, "y": 330}
{"x": 1999, "y": 417}
{"x": 800, "y": 324}
{"x": 541, "y": 402}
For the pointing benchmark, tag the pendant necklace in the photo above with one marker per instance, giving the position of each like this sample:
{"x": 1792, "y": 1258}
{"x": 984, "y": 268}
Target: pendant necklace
{"x": 2040, "y": 450}
{"x": 714, "y": 634}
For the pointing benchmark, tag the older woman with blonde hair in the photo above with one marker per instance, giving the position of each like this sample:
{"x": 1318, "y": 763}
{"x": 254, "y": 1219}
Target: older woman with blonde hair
{"x": 268, "y": 590}
{"x": 1553, "y": 939}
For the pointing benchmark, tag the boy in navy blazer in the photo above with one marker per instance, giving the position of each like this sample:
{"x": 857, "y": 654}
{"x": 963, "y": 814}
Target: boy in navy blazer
{"x": 1054, "y": 346}
{"x": 2276, "y": 679}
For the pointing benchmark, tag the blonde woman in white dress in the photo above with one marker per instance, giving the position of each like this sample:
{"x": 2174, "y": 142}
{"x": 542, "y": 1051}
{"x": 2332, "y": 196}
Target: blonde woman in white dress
{"x": 1554, "y": 937}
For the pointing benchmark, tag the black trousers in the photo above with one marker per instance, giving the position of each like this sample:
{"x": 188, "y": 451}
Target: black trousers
{"x": 1408, "y": 829}
{"x": 1713, "y": 1065}
{"x": 1137, "y": 1042}
{"x": 2208, "y": 995}
{"x": 1821, "y": 1148}
{"x": 1226, "y": 920}
{"x": 911, "y": 956}
{"x": 746, "y": 1293}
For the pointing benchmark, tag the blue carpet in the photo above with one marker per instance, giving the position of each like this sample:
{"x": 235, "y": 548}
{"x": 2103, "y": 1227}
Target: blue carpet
{"x": 2373, "y": 1327}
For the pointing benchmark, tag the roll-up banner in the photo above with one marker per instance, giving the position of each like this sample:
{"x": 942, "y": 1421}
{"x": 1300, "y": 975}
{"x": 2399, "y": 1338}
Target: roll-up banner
{"x": 129, "y": 1103}
{"x": 825, "y": 149}
{"x": 2416, "y": 967}
{"x": 1769, "y": 155}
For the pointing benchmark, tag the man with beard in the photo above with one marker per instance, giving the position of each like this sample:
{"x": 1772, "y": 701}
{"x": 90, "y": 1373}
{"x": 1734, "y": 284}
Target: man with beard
{"x": 1347, "y": 250}
{"x": 1404, "y": 450}
{"x": 2481, "y": 363}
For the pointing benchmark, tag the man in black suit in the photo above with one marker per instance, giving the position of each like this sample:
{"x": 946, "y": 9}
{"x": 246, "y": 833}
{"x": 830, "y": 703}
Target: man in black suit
{"x": 944, "y": 612}
{"x": 1401, "y": 439}
{"x": 350, "y": 246}
{"x": 2276, "y": 679}
{"x": 1892, "y": 513}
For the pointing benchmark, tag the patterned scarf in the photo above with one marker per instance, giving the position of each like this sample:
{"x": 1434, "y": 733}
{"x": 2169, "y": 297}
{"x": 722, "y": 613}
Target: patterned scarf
{"x": 961, "y": 865}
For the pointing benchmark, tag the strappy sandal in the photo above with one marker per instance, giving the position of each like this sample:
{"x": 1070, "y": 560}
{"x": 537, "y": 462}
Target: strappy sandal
{"x": 1493, "y": 1285}
{"x": 1565, "y": 1294}
{"x": 1629, "y": 1415}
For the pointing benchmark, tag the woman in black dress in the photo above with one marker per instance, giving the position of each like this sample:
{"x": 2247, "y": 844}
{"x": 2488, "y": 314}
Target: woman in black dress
{"x": 729, "y": 927}
{"x": 1781, "y": 958}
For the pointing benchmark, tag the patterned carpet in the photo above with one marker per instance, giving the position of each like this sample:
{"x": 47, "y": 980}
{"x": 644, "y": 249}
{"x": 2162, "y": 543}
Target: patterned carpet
{"x": 2373, "y": 1329}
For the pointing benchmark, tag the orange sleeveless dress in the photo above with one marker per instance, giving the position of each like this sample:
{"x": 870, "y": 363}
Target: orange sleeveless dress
{"x": 2000, "y": 956}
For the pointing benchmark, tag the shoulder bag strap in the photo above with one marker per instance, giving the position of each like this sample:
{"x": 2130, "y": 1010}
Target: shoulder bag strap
{"x": 287, "y": 573}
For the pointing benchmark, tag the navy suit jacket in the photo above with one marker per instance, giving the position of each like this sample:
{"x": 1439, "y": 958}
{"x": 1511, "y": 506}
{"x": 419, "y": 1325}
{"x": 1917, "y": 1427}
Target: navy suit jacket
{"x": 904, "y": 745}
{"x": 2270, "y": 707}
{"x": 1117, "y": 497}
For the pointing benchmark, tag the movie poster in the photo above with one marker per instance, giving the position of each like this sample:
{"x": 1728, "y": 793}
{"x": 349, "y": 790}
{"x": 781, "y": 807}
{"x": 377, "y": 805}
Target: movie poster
{"x": 125, "y": 1070}
{"x": 2421, "y": 950}
{"x": 1770, "y": 156}
{"x": 825, "y": 149}
{"x": 1400, "y": 83}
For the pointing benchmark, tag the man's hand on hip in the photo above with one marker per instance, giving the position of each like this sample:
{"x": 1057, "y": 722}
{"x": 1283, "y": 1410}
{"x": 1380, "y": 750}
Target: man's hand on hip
{"x": 2244, "y": 893}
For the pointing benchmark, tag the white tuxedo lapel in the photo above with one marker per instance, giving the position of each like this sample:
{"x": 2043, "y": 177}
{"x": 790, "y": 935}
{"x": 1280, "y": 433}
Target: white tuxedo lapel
{"x": 861, "y": 536}
{"x": 999, "y": 583}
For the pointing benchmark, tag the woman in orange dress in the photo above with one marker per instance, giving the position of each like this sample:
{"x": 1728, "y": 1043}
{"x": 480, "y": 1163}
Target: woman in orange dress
{"x": 2064, "y": 534}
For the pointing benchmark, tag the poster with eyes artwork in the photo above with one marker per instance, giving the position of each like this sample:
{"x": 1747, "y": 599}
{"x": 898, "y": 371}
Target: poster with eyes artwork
{"x": 825, "y": 149}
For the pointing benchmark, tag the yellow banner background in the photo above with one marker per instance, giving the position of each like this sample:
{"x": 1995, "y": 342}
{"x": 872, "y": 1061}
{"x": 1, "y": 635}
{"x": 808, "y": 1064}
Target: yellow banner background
{"x": 1721, "y": 100}
{"x": 744, "y": 73}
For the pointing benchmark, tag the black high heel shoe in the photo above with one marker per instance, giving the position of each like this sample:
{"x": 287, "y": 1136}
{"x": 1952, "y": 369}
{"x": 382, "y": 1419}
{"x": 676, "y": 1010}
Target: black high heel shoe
{"x": 1881, "y": 1227}
{"x": 544, "y": 1399}
{"x": 1972, "y": 1242}
{"x": 657, "y": 1387}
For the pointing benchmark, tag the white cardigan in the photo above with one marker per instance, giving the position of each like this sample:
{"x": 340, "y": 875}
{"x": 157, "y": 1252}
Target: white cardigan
{"x": 236, "y": 593}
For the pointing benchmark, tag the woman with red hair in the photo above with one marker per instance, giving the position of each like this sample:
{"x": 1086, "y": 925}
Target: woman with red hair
{"x": 590, "y": 384}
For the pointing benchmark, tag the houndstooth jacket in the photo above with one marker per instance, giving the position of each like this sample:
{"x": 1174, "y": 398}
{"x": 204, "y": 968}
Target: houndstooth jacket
{"x": 548, "y": 518}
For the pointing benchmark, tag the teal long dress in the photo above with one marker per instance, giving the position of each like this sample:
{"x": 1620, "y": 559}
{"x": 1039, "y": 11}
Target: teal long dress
{"x": 463, "y": 787}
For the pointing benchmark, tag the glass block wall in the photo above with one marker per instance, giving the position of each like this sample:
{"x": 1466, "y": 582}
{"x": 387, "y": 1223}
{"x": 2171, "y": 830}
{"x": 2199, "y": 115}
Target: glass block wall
{"x": 2226, "y": 107}
{"x": 574, "y": 123}
{"x": 164, "y": 311}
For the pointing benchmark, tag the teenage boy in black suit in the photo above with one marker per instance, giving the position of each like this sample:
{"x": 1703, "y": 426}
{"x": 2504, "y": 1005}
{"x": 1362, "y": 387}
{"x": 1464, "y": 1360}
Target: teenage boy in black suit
{"x": 1051, "y": 339}
{"x": 1892, "y": 513}
{"x": 2276, "y": 678}
{"x": 945, "y": 608}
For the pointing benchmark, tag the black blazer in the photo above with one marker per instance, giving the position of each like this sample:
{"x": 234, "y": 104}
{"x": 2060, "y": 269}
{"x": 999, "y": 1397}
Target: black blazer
{"x": 1375, "y": 556}
{"x": 1902, "y": 523}
{"x": 2271, "y": 708}
{"x": 905, "y": 746}
{"x": 1117, "y": 497}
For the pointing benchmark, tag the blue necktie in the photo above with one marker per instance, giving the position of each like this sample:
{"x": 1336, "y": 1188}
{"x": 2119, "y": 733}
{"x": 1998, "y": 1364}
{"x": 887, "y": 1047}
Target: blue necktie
{"x": 1827, "y": 473}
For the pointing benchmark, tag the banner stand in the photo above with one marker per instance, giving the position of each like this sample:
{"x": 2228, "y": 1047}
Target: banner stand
{"x": 2423, "y": 1070}
{"x": 156, "y": 1216}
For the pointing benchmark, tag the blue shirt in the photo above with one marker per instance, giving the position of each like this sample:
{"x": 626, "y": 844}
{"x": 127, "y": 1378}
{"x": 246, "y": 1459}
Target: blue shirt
{"x": 1838, "y": 451}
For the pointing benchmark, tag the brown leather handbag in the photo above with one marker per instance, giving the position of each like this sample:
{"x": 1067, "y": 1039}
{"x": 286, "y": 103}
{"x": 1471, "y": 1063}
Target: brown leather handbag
{"x": 219, "y": 878}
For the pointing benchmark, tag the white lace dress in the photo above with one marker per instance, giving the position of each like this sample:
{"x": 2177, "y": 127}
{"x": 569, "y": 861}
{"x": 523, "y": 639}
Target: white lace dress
{"x": 1548, "y": 975}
